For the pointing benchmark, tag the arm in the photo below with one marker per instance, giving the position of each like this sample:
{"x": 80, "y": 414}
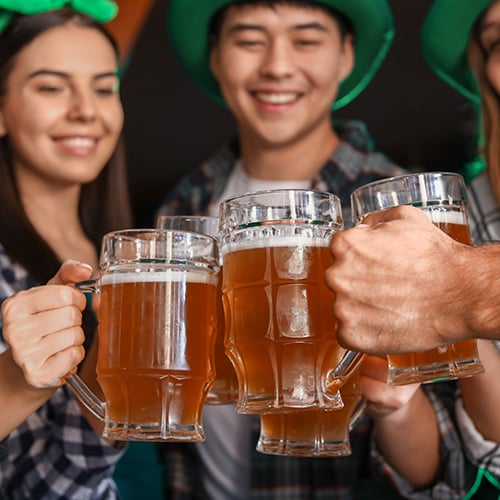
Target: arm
{"x": 382, "y": 275}
{"x": 55, "y": 447}
{"x": 41, "y": 327}
{"x": 481, "y": 393}
{"x": 478, "y": 410}
{"x": 405, "y": 425}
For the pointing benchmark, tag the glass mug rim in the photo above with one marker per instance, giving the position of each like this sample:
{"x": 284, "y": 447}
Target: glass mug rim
{"x": 133, "y": 236}
{"x": 389, "y": 180}
{"x": 335, "y": 221}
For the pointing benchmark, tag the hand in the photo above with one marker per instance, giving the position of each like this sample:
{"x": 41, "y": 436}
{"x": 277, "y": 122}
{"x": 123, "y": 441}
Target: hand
{"x": 397, "y": 283}
{"x": 383, "y": 400}
{"x": 42, "y": 326}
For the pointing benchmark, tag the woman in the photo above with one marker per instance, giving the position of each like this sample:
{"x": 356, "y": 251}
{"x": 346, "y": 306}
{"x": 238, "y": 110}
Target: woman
{"x": 461, "y": 43}
{"x": 62, "y": 186}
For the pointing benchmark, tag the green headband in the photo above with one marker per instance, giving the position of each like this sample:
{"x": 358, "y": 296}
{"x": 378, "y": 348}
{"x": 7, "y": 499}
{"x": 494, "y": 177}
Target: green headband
{"x": 100, "y": 10}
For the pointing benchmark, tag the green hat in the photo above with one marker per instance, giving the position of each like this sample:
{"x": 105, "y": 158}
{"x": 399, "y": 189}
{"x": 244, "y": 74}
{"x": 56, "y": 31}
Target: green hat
{"x": 445, "y": 37}
{"x": 189, "y": 23}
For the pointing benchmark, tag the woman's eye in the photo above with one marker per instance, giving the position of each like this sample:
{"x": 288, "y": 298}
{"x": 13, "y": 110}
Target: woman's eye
{"x": 106, "y": 91}
{"x": 49, "y": 89}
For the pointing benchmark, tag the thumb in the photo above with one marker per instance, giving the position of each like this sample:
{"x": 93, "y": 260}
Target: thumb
{"x": 71, "y": 271}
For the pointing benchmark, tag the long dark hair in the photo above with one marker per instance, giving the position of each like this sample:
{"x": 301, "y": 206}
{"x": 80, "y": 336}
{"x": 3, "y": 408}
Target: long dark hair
{"x": 104, "y": 203}
{"x": 489, "y": 116}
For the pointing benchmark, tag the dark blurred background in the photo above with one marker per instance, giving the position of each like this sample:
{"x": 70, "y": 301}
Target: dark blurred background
{"x": 414, "y": 117}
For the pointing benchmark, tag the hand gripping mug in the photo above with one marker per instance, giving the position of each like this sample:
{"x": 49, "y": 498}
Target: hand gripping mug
{"x": 316, "y": 432}
{"x": 442, "y": 197}
{"x": 224, "y": 390}
{"x": 280, "y": 327}
{"x": 156, "y": 334}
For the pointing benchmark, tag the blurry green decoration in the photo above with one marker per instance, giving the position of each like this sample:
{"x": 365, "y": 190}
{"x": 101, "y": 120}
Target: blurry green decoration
{"x": 101, "y": 10}
{"x": 478, "y": 164}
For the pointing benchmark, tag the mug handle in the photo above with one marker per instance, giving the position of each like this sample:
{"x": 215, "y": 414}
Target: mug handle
{"x": 83, "y": 392}
{"x": 77, "y": 386}
{"x": 350, "y": 361}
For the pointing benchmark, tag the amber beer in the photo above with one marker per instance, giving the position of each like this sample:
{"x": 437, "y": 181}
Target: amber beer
{"x": 281, "y": 329}
{"x": 156, "y": 381}
{"x": 312, "y": 433}
{"x": 225, "y": 387}
{"x": 452, "y": 360}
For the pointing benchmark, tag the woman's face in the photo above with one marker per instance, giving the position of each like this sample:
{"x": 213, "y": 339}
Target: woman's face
{"x": 489, "y": 38}
{"x": 61, "y": 111}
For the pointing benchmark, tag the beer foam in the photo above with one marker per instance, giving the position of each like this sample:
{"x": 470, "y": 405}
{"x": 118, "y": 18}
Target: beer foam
{"x": 275, "y": 242}
{"x": 168, "y": 275}
{"x": 445, "y": 216}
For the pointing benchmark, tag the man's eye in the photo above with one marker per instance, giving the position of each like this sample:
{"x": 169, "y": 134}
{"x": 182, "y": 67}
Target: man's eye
{"x": 307, "y": 42}
{"x": 249, "y": 43}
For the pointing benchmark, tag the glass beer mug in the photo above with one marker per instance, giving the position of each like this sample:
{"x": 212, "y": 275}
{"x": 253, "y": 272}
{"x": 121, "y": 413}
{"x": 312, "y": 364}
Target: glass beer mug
{"x": 224, "y": 390}
{"x": 157, "y": 321}
{"x": 442, "y": 197}
{"x": 280, "y": 327}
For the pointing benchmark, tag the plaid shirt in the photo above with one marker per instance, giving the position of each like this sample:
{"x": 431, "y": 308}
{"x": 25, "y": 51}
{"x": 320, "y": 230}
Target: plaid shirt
{"x": 54, "y": 453}
{"x": 364, "y": 474}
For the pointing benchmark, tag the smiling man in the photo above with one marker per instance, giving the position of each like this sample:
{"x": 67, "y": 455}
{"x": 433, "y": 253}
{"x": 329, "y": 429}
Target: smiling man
{"x": 281, "y": 67}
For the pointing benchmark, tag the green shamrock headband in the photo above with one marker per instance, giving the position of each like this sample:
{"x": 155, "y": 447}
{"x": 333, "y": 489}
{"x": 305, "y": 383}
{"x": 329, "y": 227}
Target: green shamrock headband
{"x": 101, "y": 10}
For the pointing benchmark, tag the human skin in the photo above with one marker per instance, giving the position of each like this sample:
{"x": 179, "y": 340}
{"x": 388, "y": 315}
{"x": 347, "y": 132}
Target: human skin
{"x": 279, "y": 70}
{"x": 402, "y": 285}
{"x": 62, "y": 114}
{"x": 42, "y": 326}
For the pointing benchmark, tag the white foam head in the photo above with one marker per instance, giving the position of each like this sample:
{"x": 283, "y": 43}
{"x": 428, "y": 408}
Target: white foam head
{"x": 168, "y": 275}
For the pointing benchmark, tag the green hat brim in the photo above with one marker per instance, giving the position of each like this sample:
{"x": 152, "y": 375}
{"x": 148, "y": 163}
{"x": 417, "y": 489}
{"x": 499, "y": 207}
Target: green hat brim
{"x": 372, "y": 21}
{"x": 445, "y": 36}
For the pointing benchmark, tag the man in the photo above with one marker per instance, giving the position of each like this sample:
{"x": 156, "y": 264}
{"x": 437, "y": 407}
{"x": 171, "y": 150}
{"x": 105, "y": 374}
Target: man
{"x": 280, "y": 67}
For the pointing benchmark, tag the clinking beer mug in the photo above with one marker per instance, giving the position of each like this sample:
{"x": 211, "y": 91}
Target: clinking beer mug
{"x": 156, "y": 334}
{"x": 280, "y": 327}
{"x": 224, "y": 390}
{"x": 442, "y": 197}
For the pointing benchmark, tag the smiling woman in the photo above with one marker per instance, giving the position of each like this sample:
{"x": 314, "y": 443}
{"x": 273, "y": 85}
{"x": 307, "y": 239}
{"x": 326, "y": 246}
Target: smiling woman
{"x": 62, "y": 187}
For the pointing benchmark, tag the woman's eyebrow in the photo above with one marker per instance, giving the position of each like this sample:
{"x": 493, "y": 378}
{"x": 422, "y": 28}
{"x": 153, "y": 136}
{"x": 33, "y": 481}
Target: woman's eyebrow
{"x": 63, "y": 74}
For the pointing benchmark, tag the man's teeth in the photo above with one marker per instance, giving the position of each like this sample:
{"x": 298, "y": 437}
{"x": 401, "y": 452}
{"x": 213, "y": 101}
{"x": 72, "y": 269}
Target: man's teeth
{"x": 275, "y": 98}
{"x": 78, "y": 142}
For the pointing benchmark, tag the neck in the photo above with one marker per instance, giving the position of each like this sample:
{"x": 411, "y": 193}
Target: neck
{"x": 294, "y": 161}
{"x": 55, "y": 217}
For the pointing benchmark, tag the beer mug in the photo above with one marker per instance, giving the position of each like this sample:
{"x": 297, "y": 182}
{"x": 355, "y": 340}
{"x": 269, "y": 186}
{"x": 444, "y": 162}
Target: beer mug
{"x": 316, "y": 432}
{"x": 156, "y": 334}
{"x": 442, "y": 197}
{"x": 280, "y": 327}
{"x": 224, "y": 390}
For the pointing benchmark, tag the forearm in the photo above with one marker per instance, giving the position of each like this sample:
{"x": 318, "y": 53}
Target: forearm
{"x": 17, "y": 395}
{"x": 481, "y": 292}
{"x": 481, "y": 393}
{"x": 409, "y": 440}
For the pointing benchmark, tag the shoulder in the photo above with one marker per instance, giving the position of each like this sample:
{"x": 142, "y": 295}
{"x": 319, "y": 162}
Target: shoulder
{"x": 194, "y": 191}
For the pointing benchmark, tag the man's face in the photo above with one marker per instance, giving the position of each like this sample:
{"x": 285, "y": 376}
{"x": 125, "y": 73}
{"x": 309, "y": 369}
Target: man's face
{"x": 279, "y": 69}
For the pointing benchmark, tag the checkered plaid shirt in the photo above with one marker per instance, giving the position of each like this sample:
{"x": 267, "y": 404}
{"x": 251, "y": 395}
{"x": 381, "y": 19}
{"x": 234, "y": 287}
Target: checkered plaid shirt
{"x": 365, "y": 474}
{"x": 54, "y": 453}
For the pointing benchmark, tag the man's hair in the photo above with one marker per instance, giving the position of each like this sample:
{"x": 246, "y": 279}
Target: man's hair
{"x": 343, "y": 23}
